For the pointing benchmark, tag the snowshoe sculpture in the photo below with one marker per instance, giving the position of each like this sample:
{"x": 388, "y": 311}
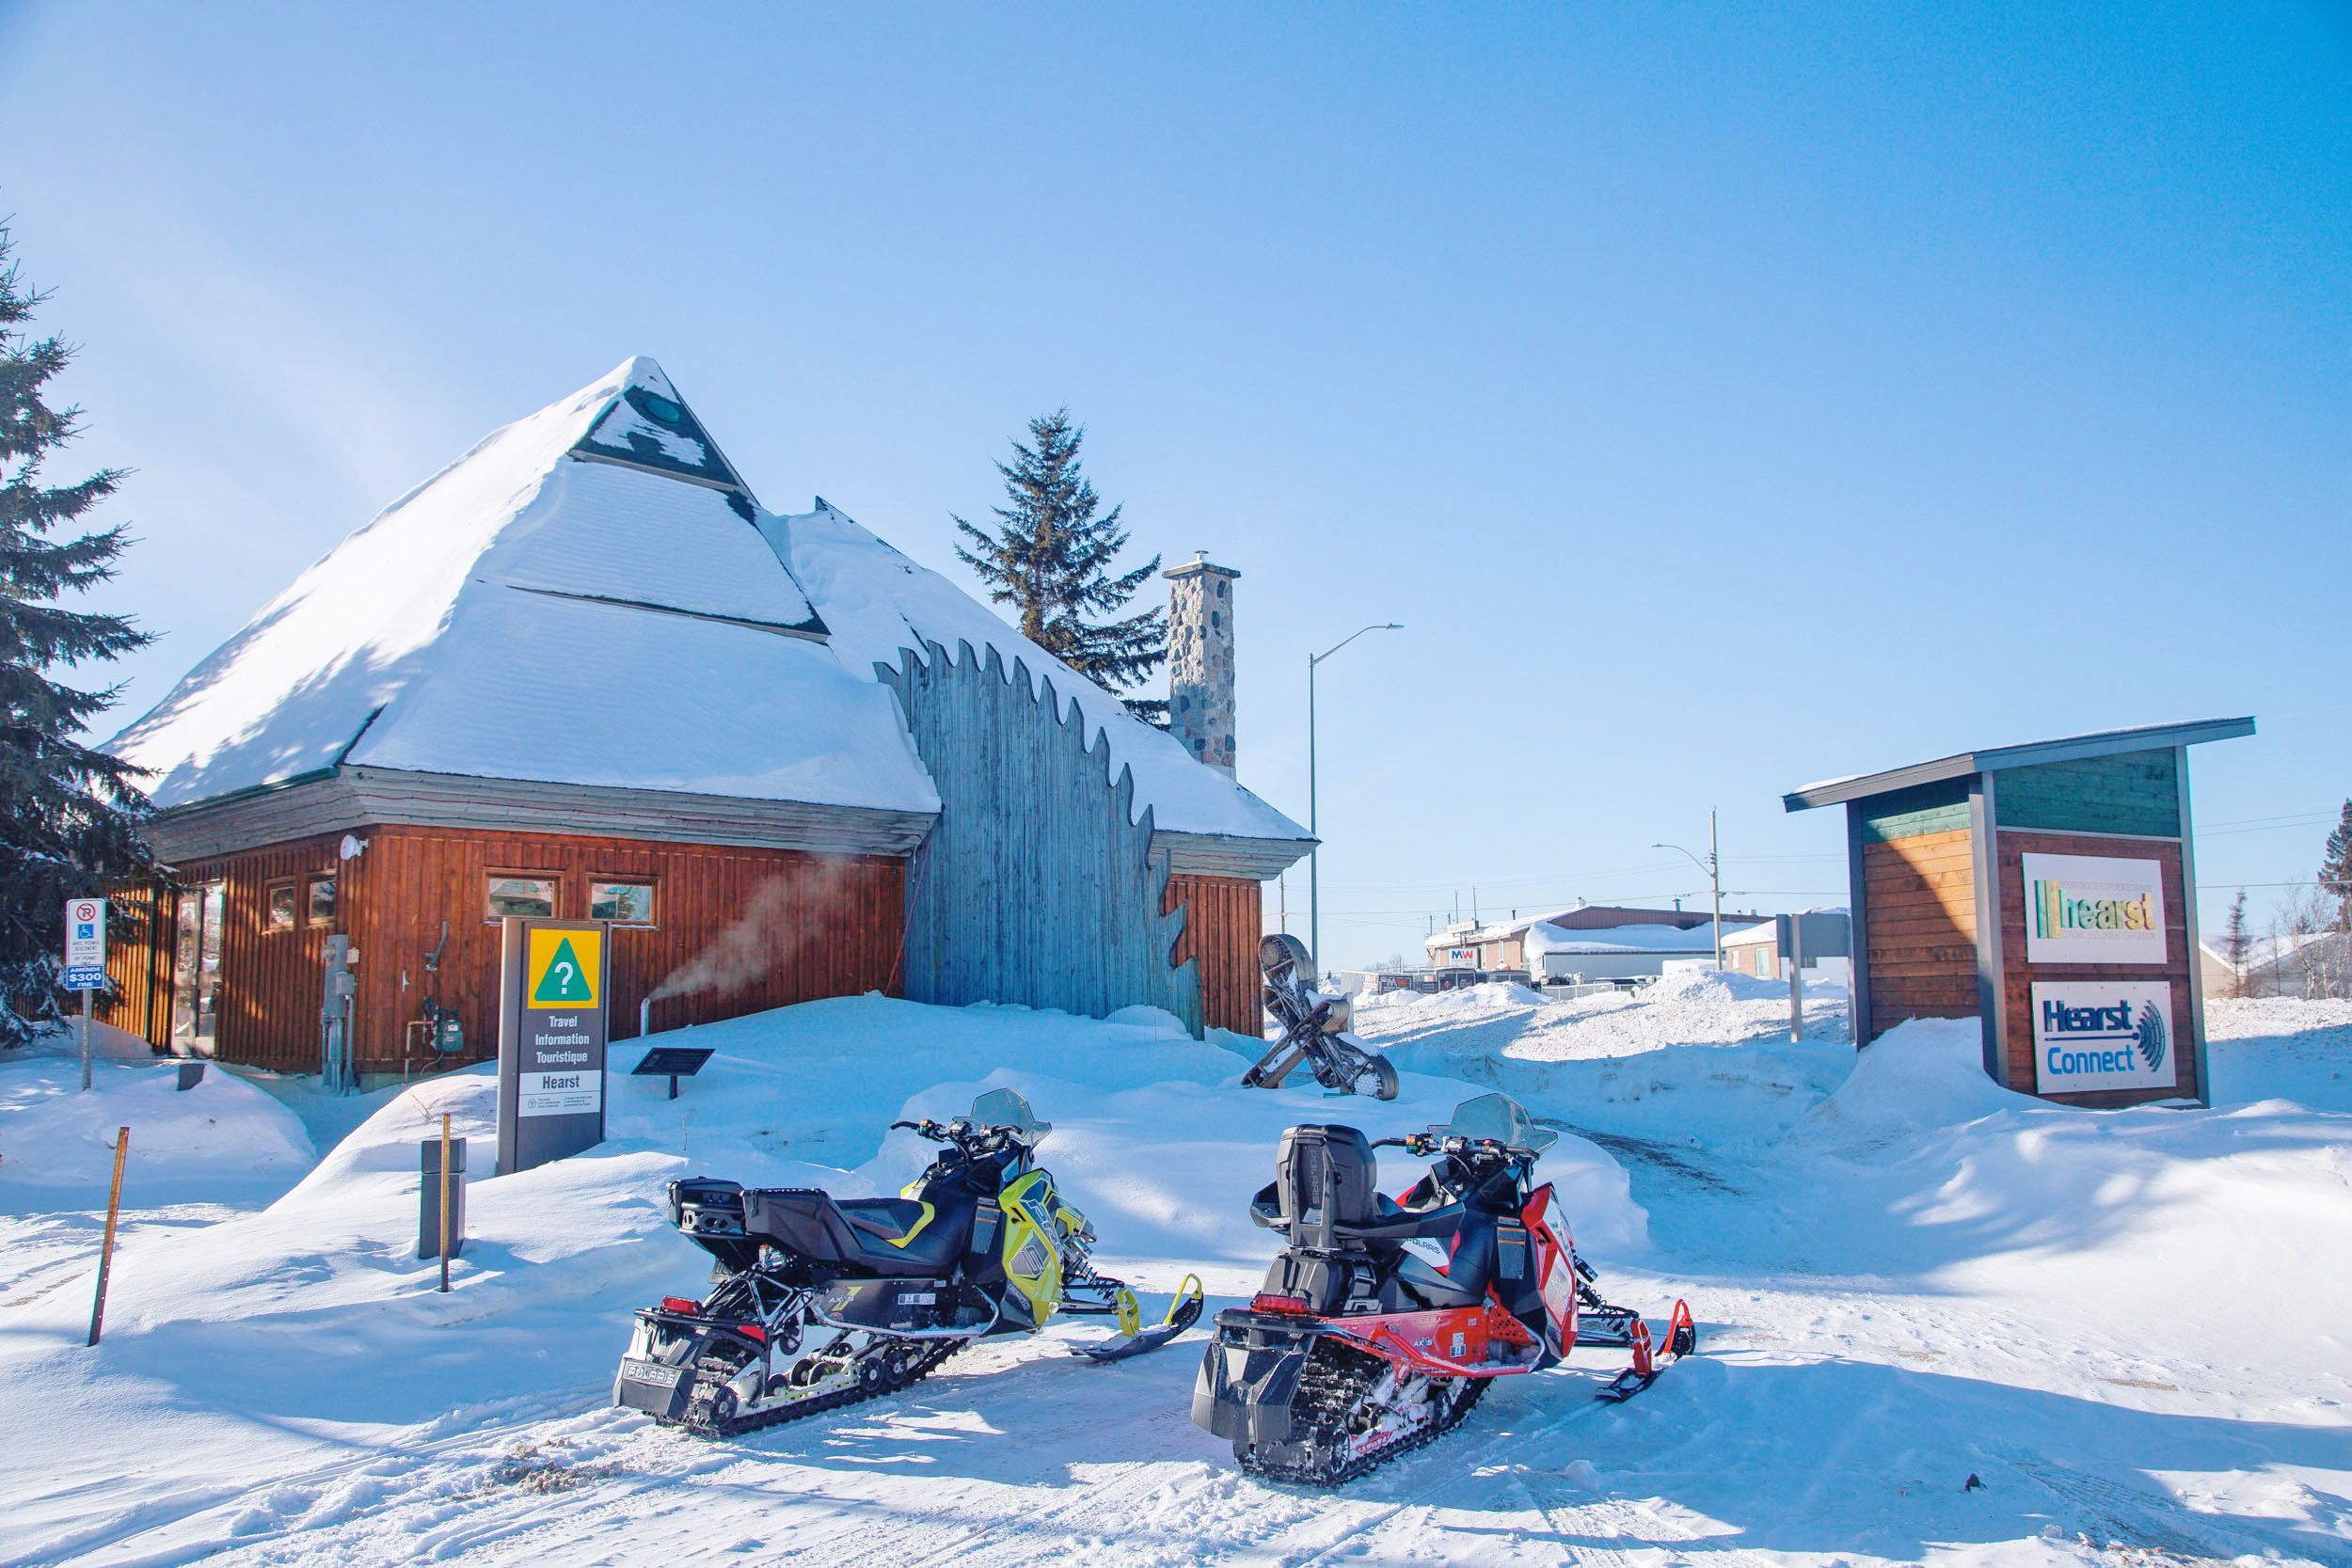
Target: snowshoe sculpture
{"x": 820, "y": 1302}
{"x": 1358, "y": 1348}
{"x": 1314, "y": 1028}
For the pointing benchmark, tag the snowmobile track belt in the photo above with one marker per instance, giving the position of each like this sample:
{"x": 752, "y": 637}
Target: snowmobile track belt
{"x": 738, "y": 1426}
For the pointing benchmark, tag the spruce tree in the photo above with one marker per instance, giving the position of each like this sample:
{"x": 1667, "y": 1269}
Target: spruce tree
{"x": 69, "y": 815}
{"x": 2335, "y": 869}
{"x": 1051, "y": 557}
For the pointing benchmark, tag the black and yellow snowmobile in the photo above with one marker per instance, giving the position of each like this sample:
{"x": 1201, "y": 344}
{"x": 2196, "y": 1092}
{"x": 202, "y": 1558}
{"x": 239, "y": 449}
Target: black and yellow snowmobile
{"x": 818, "y": 1302}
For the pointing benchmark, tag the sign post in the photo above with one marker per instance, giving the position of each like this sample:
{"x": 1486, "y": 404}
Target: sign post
{"x": 1796, "y": 978}
{"x": 85, "y": 960}
{"x": 552, "y": 996}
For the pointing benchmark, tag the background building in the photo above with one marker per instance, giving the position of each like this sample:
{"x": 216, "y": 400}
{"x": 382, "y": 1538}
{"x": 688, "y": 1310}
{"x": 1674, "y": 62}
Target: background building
{"x": 1599, "y": 942}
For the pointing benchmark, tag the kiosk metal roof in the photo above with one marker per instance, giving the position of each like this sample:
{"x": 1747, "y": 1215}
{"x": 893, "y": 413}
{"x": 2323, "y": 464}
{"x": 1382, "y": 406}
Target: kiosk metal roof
{"x": 2100, "y": 743}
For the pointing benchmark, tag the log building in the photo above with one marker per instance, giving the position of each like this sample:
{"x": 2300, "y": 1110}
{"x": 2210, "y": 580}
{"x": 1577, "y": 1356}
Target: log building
{"x": 582, "y": 673}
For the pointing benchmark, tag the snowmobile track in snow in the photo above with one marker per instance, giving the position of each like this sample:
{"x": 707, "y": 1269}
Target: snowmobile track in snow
{"x": 2113, "y": 1515}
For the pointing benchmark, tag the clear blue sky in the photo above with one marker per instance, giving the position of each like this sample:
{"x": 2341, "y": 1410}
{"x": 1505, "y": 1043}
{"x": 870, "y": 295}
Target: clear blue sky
{"x": 1723, "y": 397}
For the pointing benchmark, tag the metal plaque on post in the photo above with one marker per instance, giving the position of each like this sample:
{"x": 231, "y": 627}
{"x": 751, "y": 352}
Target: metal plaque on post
{"x": 552, "y": 989}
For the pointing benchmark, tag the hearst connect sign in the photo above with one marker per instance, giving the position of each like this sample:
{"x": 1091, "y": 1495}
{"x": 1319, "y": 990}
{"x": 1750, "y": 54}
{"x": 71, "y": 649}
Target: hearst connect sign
{"x": 553, "y": 985}
{"x": 2091, "y": 1035}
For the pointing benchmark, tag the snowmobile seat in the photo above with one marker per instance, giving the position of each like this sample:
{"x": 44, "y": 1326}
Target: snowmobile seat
{"x": 891, "y": 1237}
{"x": 1327, "y": 1194}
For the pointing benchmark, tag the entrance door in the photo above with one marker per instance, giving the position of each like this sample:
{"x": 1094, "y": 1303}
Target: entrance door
{"x": 196, "y": 968}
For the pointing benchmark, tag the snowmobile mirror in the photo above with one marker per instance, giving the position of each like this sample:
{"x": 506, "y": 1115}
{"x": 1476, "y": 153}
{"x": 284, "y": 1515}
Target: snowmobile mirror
{"x": 1497, "y": 1118}
{"x": 1006, "y": 1109}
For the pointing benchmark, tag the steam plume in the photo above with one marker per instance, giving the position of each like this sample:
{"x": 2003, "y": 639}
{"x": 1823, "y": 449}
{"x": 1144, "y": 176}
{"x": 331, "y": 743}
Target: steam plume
{"x": 779, "y": 918}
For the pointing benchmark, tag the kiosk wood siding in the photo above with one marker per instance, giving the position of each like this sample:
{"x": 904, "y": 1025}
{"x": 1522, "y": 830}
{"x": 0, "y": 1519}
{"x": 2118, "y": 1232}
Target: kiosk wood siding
{"x": 814, "y": 927}
{"x": 1224, "y": 917}
{"x": 1920, "y": 903}
{"x": 2135, "y": 792}
{"x": 2018, "y": 976}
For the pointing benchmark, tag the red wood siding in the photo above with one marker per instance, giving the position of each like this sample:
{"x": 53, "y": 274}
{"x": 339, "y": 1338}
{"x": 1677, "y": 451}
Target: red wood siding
{"x": 139, "y": 968}
{"x": 1920, "y": 903}
{"x": 266, "y": 1006}
{"x": 815, "y": 925}
{"x": 1223, "y": 918}
{"x": 2018, "y": 976}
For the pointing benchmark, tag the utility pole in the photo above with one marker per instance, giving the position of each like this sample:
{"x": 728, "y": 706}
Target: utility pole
{"x": 1712, "y": 865}
{"x": 1715, "y": 871}
{"x": 1314, "y": 864}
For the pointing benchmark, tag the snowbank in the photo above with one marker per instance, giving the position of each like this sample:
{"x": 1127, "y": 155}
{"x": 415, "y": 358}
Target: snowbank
{"x": 1923, "y": 1074}
{"x": 222, "y": 1133}
{"x": 1691, "y": 1057}
{"x": 2280, "y": 1048}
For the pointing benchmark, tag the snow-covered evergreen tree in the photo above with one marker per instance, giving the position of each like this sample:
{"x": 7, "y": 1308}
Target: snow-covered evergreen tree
{"x": 69, "y": 815}
{"x": 2335, "y": 869}
{"x": 1051, "y": 555}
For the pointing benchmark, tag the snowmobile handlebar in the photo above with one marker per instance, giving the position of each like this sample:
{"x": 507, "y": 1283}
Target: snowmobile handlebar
{"x": 1412, "y": 1143}
{"x": 971, "y": 1136}
{"x": 1430, "y": 1143}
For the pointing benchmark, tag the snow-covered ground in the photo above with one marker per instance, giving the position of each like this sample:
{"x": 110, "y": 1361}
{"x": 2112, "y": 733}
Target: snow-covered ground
{"x": 2126, "y": 1326}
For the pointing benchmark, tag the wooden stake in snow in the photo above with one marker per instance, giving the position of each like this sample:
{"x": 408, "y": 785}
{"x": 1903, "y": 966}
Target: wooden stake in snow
{"x": 106, "y": 1249}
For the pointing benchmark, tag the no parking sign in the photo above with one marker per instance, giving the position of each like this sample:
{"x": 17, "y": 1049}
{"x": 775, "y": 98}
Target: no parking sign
{"x": 85, "y": 944}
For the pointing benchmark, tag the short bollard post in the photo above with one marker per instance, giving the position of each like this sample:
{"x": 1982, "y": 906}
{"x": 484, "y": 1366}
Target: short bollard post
{"x": 107, "y": 1248}
{"x": 445, "y": 1202}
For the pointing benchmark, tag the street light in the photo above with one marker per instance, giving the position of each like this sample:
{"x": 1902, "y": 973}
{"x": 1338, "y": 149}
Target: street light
{"x": 1712, "y": 865}
{"x": 1314, "y": 880}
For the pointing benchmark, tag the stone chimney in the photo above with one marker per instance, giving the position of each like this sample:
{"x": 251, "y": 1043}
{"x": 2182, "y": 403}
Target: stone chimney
{"x": 1200, "y": 660}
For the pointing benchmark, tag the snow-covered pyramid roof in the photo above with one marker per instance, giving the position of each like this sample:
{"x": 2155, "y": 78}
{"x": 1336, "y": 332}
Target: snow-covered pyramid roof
{"x": 592, "y": 596}
{"x": 582, "y": 599}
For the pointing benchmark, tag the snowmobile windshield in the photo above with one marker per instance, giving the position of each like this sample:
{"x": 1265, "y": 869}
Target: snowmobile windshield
{"x": 1006, "y": 1109}
{"x": 1497, "y": 1118}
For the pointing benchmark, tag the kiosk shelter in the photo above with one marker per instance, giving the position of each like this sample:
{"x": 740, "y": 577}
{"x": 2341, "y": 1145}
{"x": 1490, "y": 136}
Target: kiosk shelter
{"x": 2049, "y": 890}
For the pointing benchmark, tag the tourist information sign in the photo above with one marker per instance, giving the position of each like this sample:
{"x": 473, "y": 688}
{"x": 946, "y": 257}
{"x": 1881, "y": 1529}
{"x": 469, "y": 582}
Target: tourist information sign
{"x": 555, "y": 981}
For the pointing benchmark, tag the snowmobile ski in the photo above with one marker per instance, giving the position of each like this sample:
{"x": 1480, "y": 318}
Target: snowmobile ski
{"x": 1182, "y": 1313}
{"x": 1682, "y": 1338}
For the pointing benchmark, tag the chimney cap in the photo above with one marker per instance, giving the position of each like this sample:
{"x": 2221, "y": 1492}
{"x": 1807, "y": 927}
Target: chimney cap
{"x": 1198, "y": 565}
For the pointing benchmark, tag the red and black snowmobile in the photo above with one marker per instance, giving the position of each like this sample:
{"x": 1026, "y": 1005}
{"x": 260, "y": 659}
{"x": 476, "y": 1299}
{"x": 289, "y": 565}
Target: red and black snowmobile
{"x": 1383, "y": 1321}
